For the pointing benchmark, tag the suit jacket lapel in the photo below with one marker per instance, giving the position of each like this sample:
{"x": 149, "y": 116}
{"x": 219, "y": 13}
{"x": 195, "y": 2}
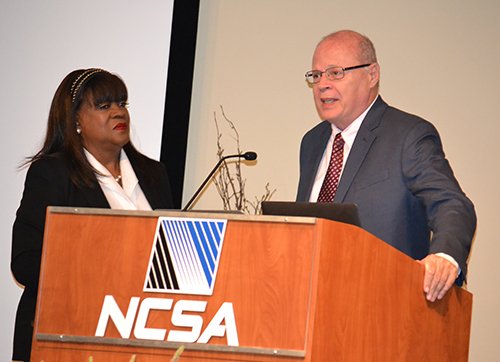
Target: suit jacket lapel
{"x": 152, "y": 194}
{"x": 95, "y": 197}
{"x": 311, "y": 165}
{"x": 360, "y": 148}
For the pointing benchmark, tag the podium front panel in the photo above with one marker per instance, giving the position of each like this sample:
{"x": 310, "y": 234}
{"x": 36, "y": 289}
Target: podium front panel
{"x": 94, "y": 271}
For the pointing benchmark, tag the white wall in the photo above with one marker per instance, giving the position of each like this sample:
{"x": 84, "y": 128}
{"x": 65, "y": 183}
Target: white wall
{"x": 439, "y": 60}
{"x": 40, "y": 43}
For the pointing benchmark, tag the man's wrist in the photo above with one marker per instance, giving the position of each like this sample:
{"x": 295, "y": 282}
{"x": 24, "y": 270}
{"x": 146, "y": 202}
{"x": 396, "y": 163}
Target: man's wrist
{"x": 451, "y": 260}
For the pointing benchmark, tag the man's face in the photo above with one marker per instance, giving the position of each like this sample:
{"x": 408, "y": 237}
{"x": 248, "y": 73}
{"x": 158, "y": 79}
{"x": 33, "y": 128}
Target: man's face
{"x": 342, "y": 101}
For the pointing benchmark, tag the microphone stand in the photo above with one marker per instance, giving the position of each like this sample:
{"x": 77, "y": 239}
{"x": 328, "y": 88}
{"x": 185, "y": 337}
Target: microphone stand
{"x": 249, "y": 156}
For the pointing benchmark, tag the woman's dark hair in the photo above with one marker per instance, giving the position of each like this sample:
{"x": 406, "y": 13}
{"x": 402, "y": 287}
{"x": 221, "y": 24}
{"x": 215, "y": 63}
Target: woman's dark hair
{"x": 92, "y": 85}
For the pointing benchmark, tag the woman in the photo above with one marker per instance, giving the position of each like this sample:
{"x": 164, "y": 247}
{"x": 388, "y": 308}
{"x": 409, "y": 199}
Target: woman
{"x": 87, "y": 160}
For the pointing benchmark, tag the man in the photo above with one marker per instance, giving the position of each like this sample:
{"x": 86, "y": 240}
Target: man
{"x": 391, "y": 164}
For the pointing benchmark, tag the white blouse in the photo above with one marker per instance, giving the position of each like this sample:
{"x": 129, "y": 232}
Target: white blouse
{"x": 128, "y": 197}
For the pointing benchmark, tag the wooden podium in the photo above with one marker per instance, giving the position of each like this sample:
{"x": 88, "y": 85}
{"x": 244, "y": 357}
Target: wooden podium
{"x": 283, "y": 289}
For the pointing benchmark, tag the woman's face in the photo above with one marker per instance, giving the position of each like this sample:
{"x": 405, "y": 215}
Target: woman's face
{"x": 104, "y": 127}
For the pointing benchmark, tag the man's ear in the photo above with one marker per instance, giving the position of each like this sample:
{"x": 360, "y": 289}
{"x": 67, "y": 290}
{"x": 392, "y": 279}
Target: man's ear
{"x": 374, "y": 71}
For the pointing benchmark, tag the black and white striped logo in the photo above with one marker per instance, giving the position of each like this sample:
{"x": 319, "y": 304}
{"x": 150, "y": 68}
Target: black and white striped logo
{"x": 185, "y": 255}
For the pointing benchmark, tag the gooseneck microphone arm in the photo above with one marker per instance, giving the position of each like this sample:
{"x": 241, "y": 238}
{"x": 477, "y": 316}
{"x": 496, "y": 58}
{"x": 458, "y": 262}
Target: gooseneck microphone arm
{"x": 249, "y": 156}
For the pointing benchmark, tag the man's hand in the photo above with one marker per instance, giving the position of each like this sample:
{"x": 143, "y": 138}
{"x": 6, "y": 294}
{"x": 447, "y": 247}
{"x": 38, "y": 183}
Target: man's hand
{"x": 440, "y": 274}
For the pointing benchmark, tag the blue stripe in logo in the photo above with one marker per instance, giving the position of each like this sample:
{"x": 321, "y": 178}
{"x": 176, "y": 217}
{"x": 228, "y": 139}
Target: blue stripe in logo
{"x": 185, "y": 255}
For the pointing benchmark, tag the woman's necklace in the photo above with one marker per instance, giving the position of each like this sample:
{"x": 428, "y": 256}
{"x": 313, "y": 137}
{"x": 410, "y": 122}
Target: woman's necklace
{"x": 119, "y": 178}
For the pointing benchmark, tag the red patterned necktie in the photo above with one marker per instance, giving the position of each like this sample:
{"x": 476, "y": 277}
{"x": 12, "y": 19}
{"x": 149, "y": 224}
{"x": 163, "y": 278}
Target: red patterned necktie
{"x": 331, "y": 180}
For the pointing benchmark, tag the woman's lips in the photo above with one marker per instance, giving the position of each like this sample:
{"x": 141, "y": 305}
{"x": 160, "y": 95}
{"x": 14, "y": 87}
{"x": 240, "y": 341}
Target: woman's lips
{"x": 120, "y": 127}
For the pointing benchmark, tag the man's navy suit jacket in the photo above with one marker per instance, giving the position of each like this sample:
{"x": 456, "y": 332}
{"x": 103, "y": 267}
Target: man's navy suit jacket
{"x": 403, "y": 185}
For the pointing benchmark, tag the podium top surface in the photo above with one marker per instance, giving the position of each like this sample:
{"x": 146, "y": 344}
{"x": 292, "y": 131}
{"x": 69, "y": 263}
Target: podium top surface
{"x": 227, "y": 215}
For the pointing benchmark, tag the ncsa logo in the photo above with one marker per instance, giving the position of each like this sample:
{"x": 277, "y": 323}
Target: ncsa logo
{"x": 184, "y": 259}
{"x": 185, "y": 256}
{"x": 223, "y": 323}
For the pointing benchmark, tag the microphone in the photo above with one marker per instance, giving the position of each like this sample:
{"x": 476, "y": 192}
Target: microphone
{"x": 249, "y": 156}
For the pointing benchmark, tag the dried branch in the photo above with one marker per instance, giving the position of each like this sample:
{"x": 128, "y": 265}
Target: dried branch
{"x": 231, "y": 188}
{"x": 257, "y": 205}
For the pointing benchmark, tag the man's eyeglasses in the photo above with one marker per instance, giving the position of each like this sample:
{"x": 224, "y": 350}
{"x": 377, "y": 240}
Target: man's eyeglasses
{"x": 333, "y": 73}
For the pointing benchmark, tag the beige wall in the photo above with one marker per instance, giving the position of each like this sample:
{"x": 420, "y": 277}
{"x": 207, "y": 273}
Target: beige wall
{"x": 439, "y": 59}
